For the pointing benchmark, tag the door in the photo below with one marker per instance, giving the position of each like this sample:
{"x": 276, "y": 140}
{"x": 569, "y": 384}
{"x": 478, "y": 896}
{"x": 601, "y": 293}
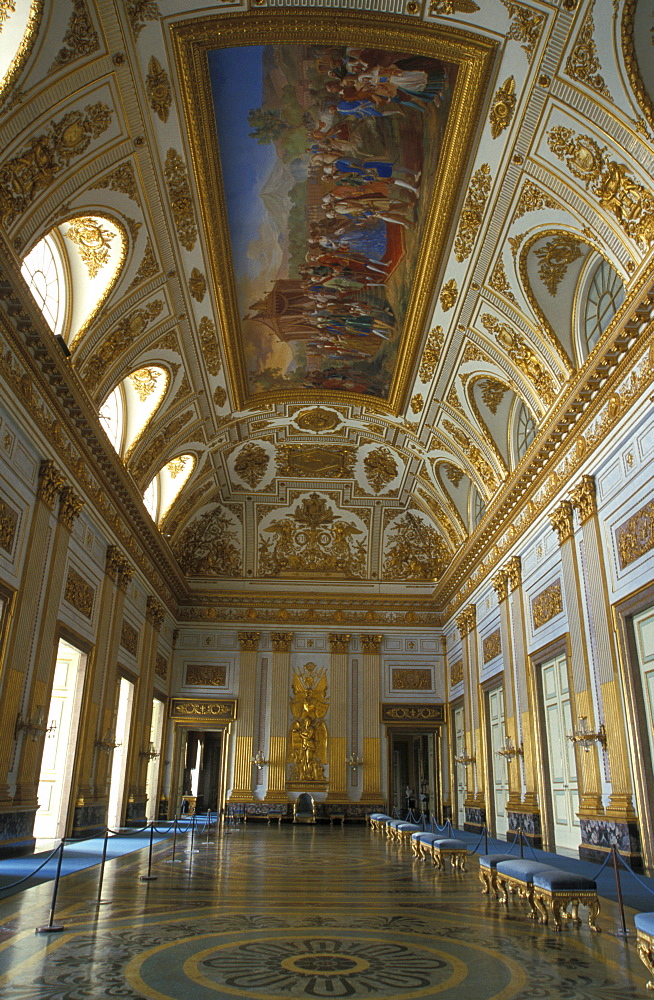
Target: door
{"x": 58, "y": 759}
{"x": 499, "y": 767}
{"x": 561, "y": 753}
{"x": 460, "y": 770}
{"x": 644, "y": 636}
{"x": 119, "y": 762}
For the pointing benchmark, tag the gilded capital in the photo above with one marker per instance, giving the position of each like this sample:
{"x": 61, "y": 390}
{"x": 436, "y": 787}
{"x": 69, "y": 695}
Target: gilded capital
{"x": 70, "y": 506}
{"x": 51, "y": 483}
{"x": 154, "y": 612}
{"x": 281, "y": 641}
{"x": 114, "y": 560}
{"x": 561, "y": 520}
{"x": 125, "y": 575}
{"x": 500, "y": 586}
{"x": 339, "y": 642}
{"x": 249, "y": 640}
{"x": 584, "y": 498}
{"x": 371, "y": 643}
{"x": 467, "y": 620}
{"x": 513, "y": 570}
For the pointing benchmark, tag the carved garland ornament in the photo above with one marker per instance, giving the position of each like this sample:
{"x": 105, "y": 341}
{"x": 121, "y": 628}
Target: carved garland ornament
{"x": 555, "y": 257}
{"x": 34, "y": 169}
{"x": 449, "y": 293}
{"x": 251, "y": 464}
{"x": 209, "y": 343}
{"x": 431, "y": 354}
{"x": 380, "y": 467}
{"x": 209, "y": 546}
{"x": 582, "y": 63}
{"x": 8, "y": 526}
{"x": 473, "y": 212}
{"x": 79, "y": 593}
{"x": 502, "y": 108}
{"x": 616, "y": 189}
{"x": 491, "y": 646}
{"x": 526, "y": 25}
{"x": 411, "y": 679}
{"x": 635, "y": 536}
{"x": 181, "y": 200}
{"x": 547, "y": 605}
{"x": 416, "y": 551}
{"x": 80, "y": 39}
{"x": 533, "y": 199}
{"x": 158, "y": 88}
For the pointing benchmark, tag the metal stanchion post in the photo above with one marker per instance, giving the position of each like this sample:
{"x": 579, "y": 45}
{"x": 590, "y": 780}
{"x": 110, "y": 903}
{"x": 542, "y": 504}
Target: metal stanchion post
{"x": 149, "y": 877}
{"x": 99, "y": 901}
{"x": 623, "y": 932}
{"x": 193, "y": 850}
{"x": 172, "y": 861}
{"x": 485, "y": 840}
{"x": 51, "y": 927}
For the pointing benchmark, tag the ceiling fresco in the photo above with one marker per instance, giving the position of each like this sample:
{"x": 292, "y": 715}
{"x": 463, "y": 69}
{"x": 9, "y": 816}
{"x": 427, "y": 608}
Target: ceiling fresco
{"x": 359, "y": 252}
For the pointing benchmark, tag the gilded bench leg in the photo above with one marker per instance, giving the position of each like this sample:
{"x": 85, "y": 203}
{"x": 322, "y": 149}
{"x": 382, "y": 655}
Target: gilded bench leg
{"x": 485, "y": 879}
{"x": 593, "y": 913}
{"x": 574, "y": 912}
{"x": 646, "y": 955}
{"x": 540, "y": 907}
{"x": 438, "y": 860}
{"x": 459, "y": 860}
{"x": 502, "y": 891}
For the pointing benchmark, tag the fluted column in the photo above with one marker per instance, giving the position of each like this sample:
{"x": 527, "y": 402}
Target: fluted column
{"x": 621, "y": 806}
{"x": 279, "y": 700}
{"x": 338, "y": 644}
{"x": 501, "y": 587}
{"x": 588, "y": 773}
{"x": 466, "y": 623}
{"x": 371, "y": 665}
{"x": 247, "y": 694}
{"x": 138, "y": 760}
{"x": 40, "y": 687}
{"x": 99, "y": 723}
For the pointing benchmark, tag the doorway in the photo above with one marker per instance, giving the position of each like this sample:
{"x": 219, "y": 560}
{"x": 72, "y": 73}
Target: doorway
{"x": 201, "y": 773}
{"x": 154, "y": 764}
{"x": 415, "y": 772}
{"x": 564, "y": 789}
{"x": 498, "y": 765}
{"x": 119, "y": 762}
{"x": 58, "y": 761}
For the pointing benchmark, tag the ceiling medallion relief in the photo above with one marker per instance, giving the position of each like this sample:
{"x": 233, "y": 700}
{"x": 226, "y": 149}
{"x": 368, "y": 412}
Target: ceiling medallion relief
{"x": 318, "y": 420}
{"x": 380, "y": 468}
{"x": 339, "y": 309}
{"x": 304, "y": 461}
{"x": 313, "y": 539}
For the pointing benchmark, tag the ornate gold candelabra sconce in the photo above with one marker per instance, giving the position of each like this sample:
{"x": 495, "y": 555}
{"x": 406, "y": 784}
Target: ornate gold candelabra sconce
{"x": 465, "y": 758}
{"x": 35, "y": 726}
{"x": 149, "y": 754}
{"x": 108, "y": 743}
{"x": 355, "y": 762}
{"x": 508, "y": 750}
{"x": 259, "y": 760}
{"x": 583, "y": 737}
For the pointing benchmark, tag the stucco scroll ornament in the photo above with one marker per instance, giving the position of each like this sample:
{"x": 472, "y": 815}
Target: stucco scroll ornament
{"x": 473, "y": 212}
{"x": 308, "y": 736}
{"x": 81, "y": 38}
{"x": 617, "y": 191}
{"x": 70, "y": 506}
{"x": 523, "y": 356}
{"x": 92, "y": 242}
{"x": 8, "y": 526}
{"x": 561, "y": 520}
{"x": 502, "y": 107}
{"x": 380, "y": 467}
{"x": 181, "y": 201}
{"x": 449, "y": 293}
{"x": 154, "y": 612}
{"x": 555, "y": 258}
{"x": 251, "y": 464}
{"x": 158, "y": 86}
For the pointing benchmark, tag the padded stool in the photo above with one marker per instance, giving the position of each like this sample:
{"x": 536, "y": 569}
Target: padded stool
{"x": 517, "y": 876}
{"x": 554, "y": 890}
{"x": 449, "y": 847}
{"x": 488, "y": 871}
{"x": 645, "y": 942}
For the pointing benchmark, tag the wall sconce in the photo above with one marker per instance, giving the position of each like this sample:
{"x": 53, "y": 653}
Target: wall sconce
{"x": 465, "y": 759}
{"x": 354, "y": 761}
{"x": 108, "y": 744}
{"x": 34, "y": 727}
{"x": 508, "y": 750}
{"x": 259, "y": 760}
{"x": 150, "y": 754}
{"x": 584, "y": 737}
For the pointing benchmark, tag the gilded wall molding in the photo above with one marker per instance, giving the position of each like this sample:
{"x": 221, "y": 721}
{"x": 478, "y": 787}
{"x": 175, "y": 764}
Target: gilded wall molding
{"x": 491, "y": 647}
{"x": 129, "y": 638}
{"x": 8, "y": 526}
{"x": 183, "y": 709}
{"x": 416, "y": 714}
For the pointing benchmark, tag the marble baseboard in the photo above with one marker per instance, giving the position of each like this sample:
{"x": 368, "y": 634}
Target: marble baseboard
{"x": 90, "y": 820}
{"x": 475, "y": 819}
{"x": 135, "y": 813}
{"x": 599, "y": 835}
{"x": 354, "y": 812}
{"x": 529, "y": 823}
{"x": 16, "y": 836}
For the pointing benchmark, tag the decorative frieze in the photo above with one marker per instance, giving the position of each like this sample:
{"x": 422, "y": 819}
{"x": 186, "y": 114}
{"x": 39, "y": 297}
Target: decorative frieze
{"x": 79, "y": 593}
{"x": 547, "y": 605}
{"x": 181, "y": 200}
{"x": 635, "y": 536}
{"x": 206, "y": 675}
{"x": 339, "y": 642}
{"x": 491, "y": 646}
{"x": 215, "y": 711}
{"x": 473, "y": 212}
{"x": 129, "y": 638}
{"x": 433, "y": 714}
{"x": 411, "y": 679}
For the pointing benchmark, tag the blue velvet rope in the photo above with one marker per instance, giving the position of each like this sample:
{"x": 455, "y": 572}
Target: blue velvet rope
{"x": 10, "y": 885}
{"x": 630, "y": 870}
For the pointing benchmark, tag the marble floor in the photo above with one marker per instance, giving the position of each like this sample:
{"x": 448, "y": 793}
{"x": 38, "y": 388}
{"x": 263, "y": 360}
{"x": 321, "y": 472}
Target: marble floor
{"x": 300, "y": 911}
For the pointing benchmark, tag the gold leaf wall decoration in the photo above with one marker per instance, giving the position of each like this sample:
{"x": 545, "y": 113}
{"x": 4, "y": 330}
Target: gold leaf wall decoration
{"x": 181, "y": 200}
{"x": 502, "y": 108}
{"x": 380, "y": 467}
{"x": 80, "y": 39}
{"x": 158, "y": 89}
{"x": 473, "y": 212}
{"x": 431, "y": 354}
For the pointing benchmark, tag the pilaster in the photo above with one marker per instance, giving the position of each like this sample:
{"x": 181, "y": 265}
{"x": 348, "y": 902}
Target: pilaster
{"x": 138, "y": 761}
{"x": 244, "y": 726}
{"x": 371, "y": 666}
{"x": 279, "y": 695}
{"x": 338, "y": 644}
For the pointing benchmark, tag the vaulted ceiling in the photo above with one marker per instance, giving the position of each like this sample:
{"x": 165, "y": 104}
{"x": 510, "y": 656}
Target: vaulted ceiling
{"x": 359, "y": 434}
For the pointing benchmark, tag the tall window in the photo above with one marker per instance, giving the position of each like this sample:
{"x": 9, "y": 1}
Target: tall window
{"x": 112, "y": 417}
{"x": 604, "y": 298}
{"x": 477, "y": 508}
{"x": 43, "y": 270}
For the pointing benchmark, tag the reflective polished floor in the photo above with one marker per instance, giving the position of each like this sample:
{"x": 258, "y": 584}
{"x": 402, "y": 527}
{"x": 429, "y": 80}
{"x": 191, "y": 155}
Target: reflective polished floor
{"x": 300, "y": 911}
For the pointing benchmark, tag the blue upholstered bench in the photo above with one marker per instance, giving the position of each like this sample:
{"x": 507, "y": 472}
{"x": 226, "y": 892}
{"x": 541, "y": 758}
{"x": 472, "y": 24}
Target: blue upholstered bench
{"x": 390, "y": 826}
{"x": 487, "y": 871}
{"x": 516, "y": 876}
{"x": 553, "y": 891}
{"x": 421, "y": 843}
{"x": 645, "y": 942}
{"x": 449, "y": 847}
{"x": 403, "y": 831}
{"x": 377, "y": 820}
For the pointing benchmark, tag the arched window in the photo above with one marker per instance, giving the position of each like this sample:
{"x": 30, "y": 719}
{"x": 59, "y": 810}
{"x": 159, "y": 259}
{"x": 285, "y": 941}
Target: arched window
{"x": 477, "y": 507}
{"x": 18, "y": 24}
{"x": 44, "y": 271}
{"x": 112, "y": 417}
{"x": 524, "y": 430}
{"x": 166, "y": 486}
{"x": 604, "y": 297}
